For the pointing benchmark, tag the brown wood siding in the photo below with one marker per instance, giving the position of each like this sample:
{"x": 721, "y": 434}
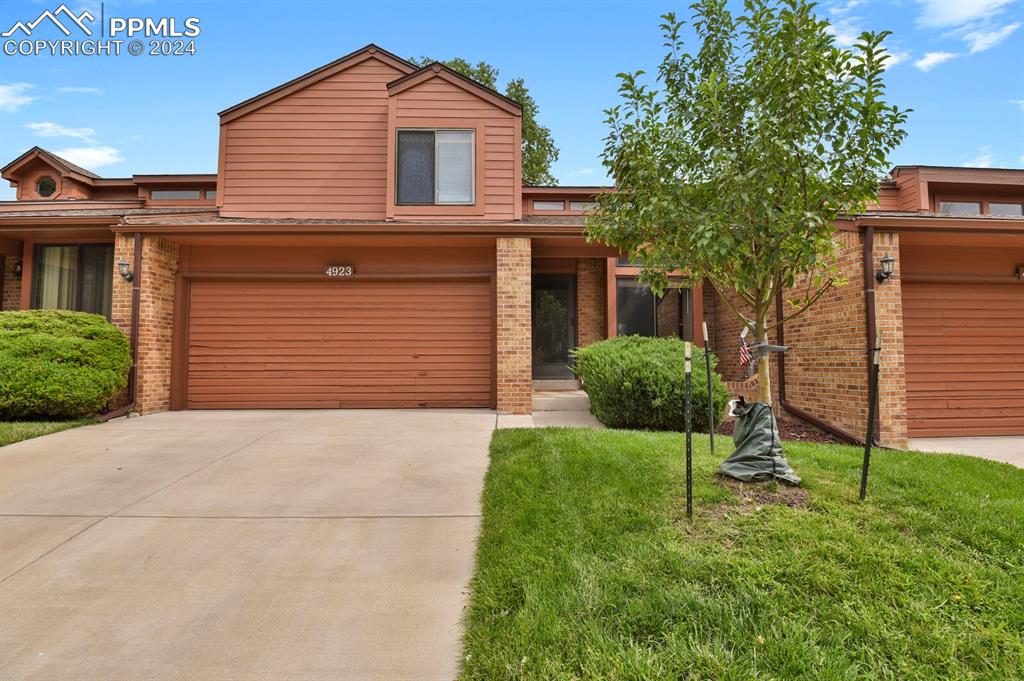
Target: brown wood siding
{"x": 325, "y": 344}
{"x": 439, "y": 104}
{"x": 320, "y": 152}
{"x": 963, "y": 343}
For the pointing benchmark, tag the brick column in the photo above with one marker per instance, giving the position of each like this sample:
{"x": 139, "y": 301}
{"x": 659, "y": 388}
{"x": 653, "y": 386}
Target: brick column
{"x": 591, "y": 306}
{"x": 11, "y": 298}
{"x": 121, "y": 290}
{"x": 892, "y": 385}
{"x": 515, "y": 368}
{"x": 156, "y": 316}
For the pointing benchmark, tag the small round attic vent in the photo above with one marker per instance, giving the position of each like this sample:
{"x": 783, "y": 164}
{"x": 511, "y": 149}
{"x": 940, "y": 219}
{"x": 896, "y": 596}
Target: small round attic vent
{"x": 46, "y": 186}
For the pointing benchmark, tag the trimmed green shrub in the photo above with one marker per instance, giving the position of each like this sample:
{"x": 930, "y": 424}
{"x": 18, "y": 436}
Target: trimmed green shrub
{"x": 638, "y": 382}
{"x": 57, "y": 364}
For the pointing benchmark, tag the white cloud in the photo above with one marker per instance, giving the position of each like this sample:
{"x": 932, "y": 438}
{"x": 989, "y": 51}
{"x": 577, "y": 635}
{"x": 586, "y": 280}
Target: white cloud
{"x": 846, "y": 7}
{"x": 949, "y": 13}
{"x": 845, "y": 31}
{"x": 896, "y": 58}
{"x": 56, "y": 130}
{"x": 982, "y": 160}
{"x": 91, "y": 157}
{"x": 581, "y": 171}
{"x": 13, "y": 95}
{"x": 982, "y": 40}
{"x": 80, "y": 90}
{"x": 932, "y": 59}
{"x": 1018, "y": 102}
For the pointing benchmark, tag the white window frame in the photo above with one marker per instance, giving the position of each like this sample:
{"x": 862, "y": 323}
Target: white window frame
{"x": 472, "y": 166}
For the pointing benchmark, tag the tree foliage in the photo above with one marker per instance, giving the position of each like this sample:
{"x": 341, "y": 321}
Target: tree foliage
{"x": 539, "y": 150}
{"x": 735, "y": 165}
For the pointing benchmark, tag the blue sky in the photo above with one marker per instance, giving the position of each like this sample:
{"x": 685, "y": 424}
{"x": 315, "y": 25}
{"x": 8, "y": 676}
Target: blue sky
{"x": 960, "y": 67}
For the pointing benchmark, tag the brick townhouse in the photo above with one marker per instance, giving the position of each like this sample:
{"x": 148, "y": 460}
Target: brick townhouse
{"x": 367, "y": 241}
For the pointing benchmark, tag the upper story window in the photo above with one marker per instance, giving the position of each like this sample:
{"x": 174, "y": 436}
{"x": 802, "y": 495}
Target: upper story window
{"x": 582, "y": 206}
{"x": 46, "y": 186}
{"x": 435, "y": 167}
{"x": 549, "y": 205}
{"x": 1006, "y": 209}
{"x": 175, "y": 195}
{"x": 960, "y": 207}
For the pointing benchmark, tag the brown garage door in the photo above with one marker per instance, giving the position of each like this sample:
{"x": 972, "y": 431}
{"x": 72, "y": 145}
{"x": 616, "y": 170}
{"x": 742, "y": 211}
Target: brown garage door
{"x": 964, "y": 346}
{"x": 266, "y": 344}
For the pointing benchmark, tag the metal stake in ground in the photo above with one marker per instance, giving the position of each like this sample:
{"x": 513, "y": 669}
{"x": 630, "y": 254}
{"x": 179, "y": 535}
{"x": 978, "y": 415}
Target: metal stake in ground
{"x": 711, "y": 393}
{"x": 872, "y": 400}
{"x": 689, "y": 439}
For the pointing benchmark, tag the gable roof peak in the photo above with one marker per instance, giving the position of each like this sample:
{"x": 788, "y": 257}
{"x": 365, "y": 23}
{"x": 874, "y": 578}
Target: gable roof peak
{"x": 370, "y": 50}
{"x": 59, "y": 162}
{"x": 439, "y": 69}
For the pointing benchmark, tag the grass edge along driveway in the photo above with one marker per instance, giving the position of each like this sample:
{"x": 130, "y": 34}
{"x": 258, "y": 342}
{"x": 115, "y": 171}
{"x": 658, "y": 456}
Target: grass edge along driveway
{"x": 587, "y": 567}
{"x": 16, "y": 431}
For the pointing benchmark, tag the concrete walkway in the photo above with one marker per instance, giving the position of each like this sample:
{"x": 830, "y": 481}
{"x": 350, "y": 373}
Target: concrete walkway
{"x": 241, "y": 545}
{"x": 1005, "y": 448}
{"x": 554, "y": 408}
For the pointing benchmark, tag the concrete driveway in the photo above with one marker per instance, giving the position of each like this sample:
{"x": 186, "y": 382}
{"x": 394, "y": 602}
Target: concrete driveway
{"x": 1004, "y": 448}
{"x": 299, "y": 545}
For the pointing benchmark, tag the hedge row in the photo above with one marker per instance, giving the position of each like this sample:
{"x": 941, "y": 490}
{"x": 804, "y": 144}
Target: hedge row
{"x": 57, "y": 364}
{"x": 638, "y": 382}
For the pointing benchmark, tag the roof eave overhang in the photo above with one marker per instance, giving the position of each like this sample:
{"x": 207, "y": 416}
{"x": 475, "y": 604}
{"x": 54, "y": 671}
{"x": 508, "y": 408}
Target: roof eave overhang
{"x": 925, "y": 223}
{"x": 195, "y": 178}
{"x": 20, "y": 222}
{"x": 403, "y": 229}
{"x": 581, "y": 191}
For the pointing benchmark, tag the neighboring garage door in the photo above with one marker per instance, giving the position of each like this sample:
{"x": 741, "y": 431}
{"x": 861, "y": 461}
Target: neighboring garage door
{"x": 964, "y": 348}
{"x": 267, "y": 344}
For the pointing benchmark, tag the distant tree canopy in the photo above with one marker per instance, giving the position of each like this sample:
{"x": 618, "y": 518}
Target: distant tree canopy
{"x": 539, "y": 150}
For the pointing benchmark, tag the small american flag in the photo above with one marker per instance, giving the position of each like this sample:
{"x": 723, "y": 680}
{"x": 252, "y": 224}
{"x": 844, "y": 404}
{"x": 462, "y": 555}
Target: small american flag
{"x": 744, "y": 354}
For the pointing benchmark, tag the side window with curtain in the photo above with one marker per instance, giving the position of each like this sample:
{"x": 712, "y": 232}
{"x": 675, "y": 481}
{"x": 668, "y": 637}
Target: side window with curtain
{"x": 73, "y": 277}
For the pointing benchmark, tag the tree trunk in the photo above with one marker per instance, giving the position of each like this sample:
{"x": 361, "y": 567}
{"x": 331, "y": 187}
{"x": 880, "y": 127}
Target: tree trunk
{"x": 763, "y": 367}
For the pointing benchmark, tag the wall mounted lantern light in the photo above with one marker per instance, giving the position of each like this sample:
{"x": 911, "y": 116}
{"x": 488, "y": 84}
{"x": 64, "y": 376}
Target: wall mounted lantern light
{"x": 887, "y": 262}
{"x": 125, "y": 269}
{"x": 17, "y": 269}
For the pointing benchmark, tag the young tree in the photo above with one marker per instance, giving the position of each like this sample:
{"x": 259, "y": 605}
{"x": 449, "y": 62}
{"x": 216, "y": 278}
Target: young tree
{"x": 735, "y": 166}
{"x": 539, "y": 150}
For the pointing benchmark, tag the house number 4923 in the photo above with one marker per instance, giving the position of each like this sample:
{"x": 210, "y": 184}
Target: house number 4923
{"x": 338, "y": 270}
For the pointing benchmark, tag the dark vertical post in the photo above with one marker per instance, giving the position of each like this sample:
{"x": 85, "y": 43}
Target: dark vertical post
{"x": 872, "y": 401}
{"x": 711, "y": 393}
{"x": 689, "y": 439}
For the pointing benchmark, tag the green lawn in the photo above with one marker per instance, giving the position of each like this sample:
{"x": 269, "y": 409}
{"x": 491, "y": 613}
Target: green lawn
{"x": 16, "y": 431}
{"x": 587, "y": 567}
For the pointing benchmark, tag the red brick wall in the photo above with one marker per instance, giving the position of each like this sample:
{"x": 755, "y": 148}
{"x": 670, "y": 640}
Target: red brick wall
{"x": 892, "y": 385}
{"x": 826, "y": 371}
{"x": 591, "y": 306}
{"x": 156, "y": 316}
{"x": 826, "y": 367}
{"x": 11, "y": 298}
{"x": 515, "y": 379}
{"x": 724, "y": 334}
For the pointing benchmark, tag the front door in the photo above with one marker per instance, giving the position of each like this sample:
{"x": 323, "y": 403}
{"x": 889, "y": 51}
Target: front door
{"x": 554, "y": 324}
